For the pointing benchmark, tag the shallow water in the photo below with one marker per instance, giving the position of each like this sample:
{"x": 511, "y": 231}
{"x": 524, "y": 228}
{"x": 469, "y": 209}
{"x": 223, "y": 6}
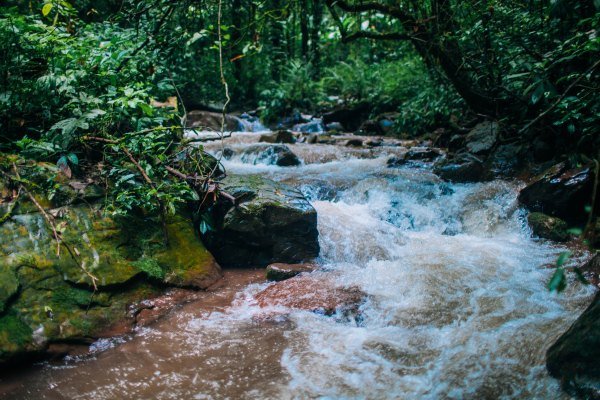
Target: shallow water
{"x": 457, "y": 306}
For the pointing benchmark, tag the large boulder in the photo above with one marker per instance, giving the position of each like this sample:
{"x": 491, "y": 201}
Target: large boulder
{"x": 271, "y": 222}
{"x": 574, "y": 357}
{"x": 270, "y": 154}
{"x": 77, "y": 291}
{"x": 350, "y": 117}
{"x": 561, "y": 192}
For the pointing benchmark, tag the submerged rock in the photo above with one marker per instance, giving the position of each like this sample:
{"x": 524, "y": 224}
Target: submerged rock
{"x": 574, "y": 357}
{"x": 561, "y": 192}
{"x": 548, "y": 227}
{"x": 270, "y": 223}
{"x": 281, "y": 272}
{"x": 270, "y": 154}
{"x": 311, "y": 293}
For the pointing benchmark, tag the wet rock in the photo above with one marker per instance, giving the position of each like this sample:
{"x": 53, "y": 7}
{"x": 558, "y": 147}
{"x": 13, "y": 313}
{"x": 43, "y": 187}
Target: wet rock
{"x": 482, "y": 138}
{"x": 281, "y": 272}
{"x": 270, "y": 223}
{"x": 548, "y": 227}
{"x": 505, "y": 160}
{"x": 461, "y": 168}
{"x": 573, "y": 358}
{"x": 315, "y": 126}
{"x": 591, "y": 270}
{"x": 561, "y": 192}
{"x": 307, "y": 292}
{"x": 354, "y": 142}
{"x": 370, "y": 127}
{"x": 334, "y": 127}
{"x": 350, "y": 117}
{"x": 207, "y": 120}
{"x": 312, "y": 138}
{"x": 280, "y": 136}
{"x": 277, "y": 154}
{"x": 374, "y": 143}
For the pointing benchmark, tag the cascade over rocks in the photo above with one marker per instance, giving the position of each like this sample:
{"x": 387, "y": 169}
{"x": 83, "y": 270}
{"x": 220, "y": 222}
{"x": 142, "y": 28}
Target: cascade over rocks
{"x": 271, "y": 154}
{"x": 271, "y": 222}
{"x": 561, "y": 192}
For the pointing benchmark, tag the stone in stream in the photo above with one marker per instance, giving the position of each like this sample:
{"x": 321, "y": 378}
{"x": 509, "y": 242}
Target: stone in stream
{"x": 271, "y": 222}
{"x": 310, "y": 293}
{"x": 354, "y": 142}
{"x": 548, "y": 227}
{"x": 573, "y": 358}
{"x": 270, "y": 154}
{"x": 48, "y": 298}
{"x": 561, "y": 192}
{"x": 461, "y": 168}
{"x": 281, "y": 136}
{"x": 281, "y": 272}
{"x": 426, "y": 154}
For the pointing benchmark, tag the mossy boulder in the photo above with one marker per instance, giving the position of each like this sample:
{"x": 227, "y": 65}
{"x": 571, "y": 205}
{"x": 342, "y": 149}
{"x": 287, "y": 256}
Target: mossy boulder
{"x": 48, "y": 298}
{"x": 271, "y": 222}
{"x": 548, "y": 227}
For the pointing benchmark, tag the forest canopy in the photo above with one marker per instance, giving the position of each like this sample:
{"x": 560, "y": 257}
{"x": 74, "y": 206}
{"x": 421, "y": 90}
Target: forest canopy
{"x": 81, "y": 80}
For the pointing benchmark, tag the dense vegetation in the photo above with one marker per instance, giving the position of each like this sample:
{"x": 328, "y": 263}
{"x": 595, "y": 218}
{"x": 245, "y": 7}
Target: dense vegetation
{"x": 80, "y": 79}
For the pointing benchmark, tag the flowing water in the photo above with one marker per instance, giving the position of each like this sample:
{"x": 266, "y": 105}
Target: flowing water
{"x": 457, "y": 306}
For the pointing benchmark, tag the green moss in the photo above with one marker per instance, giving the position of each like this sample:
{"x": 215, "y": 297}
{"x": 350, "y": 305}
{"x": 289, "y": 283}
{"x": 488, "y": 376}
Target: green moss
{"x": 150, "y": 266}
{"x": 9, "y": 285}
{"x": 14, "y": 333}
{"x": 68, "y": 296}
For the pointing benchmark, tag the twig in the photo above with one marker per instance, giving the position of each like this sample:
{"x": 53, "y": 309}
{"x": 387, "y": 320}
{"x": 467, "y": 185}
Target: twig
{"x": 10, "y": 208}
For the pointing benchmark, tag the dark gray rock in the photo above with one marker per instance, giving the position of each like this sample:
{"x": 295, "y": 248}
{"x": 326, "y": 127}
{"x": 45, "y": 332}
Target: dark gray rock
{"x": 270, "y": 154}
{"x": 482, "y": 138}
{"x": 271, "y": 222}
{"x": 574, "y": 357}
{"x": 561, "y": 192}
{"x": 461, "y": 168}
{"x": 351, "y": 117}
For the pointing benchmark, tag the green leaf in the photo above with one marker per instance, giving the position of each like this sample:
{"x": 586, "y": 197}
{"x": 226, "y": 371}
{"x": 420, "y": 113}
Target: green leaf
{"x": 562, "y": 258}
{"x": 558, "y": 282}
{"x": 73, "y": 158}
{"x": 46, "y": 9}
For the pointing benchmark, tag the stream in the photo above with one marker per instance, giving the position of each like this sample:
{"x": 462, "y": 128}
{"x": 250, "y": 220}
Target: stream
{"x": 456, "y": 307}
